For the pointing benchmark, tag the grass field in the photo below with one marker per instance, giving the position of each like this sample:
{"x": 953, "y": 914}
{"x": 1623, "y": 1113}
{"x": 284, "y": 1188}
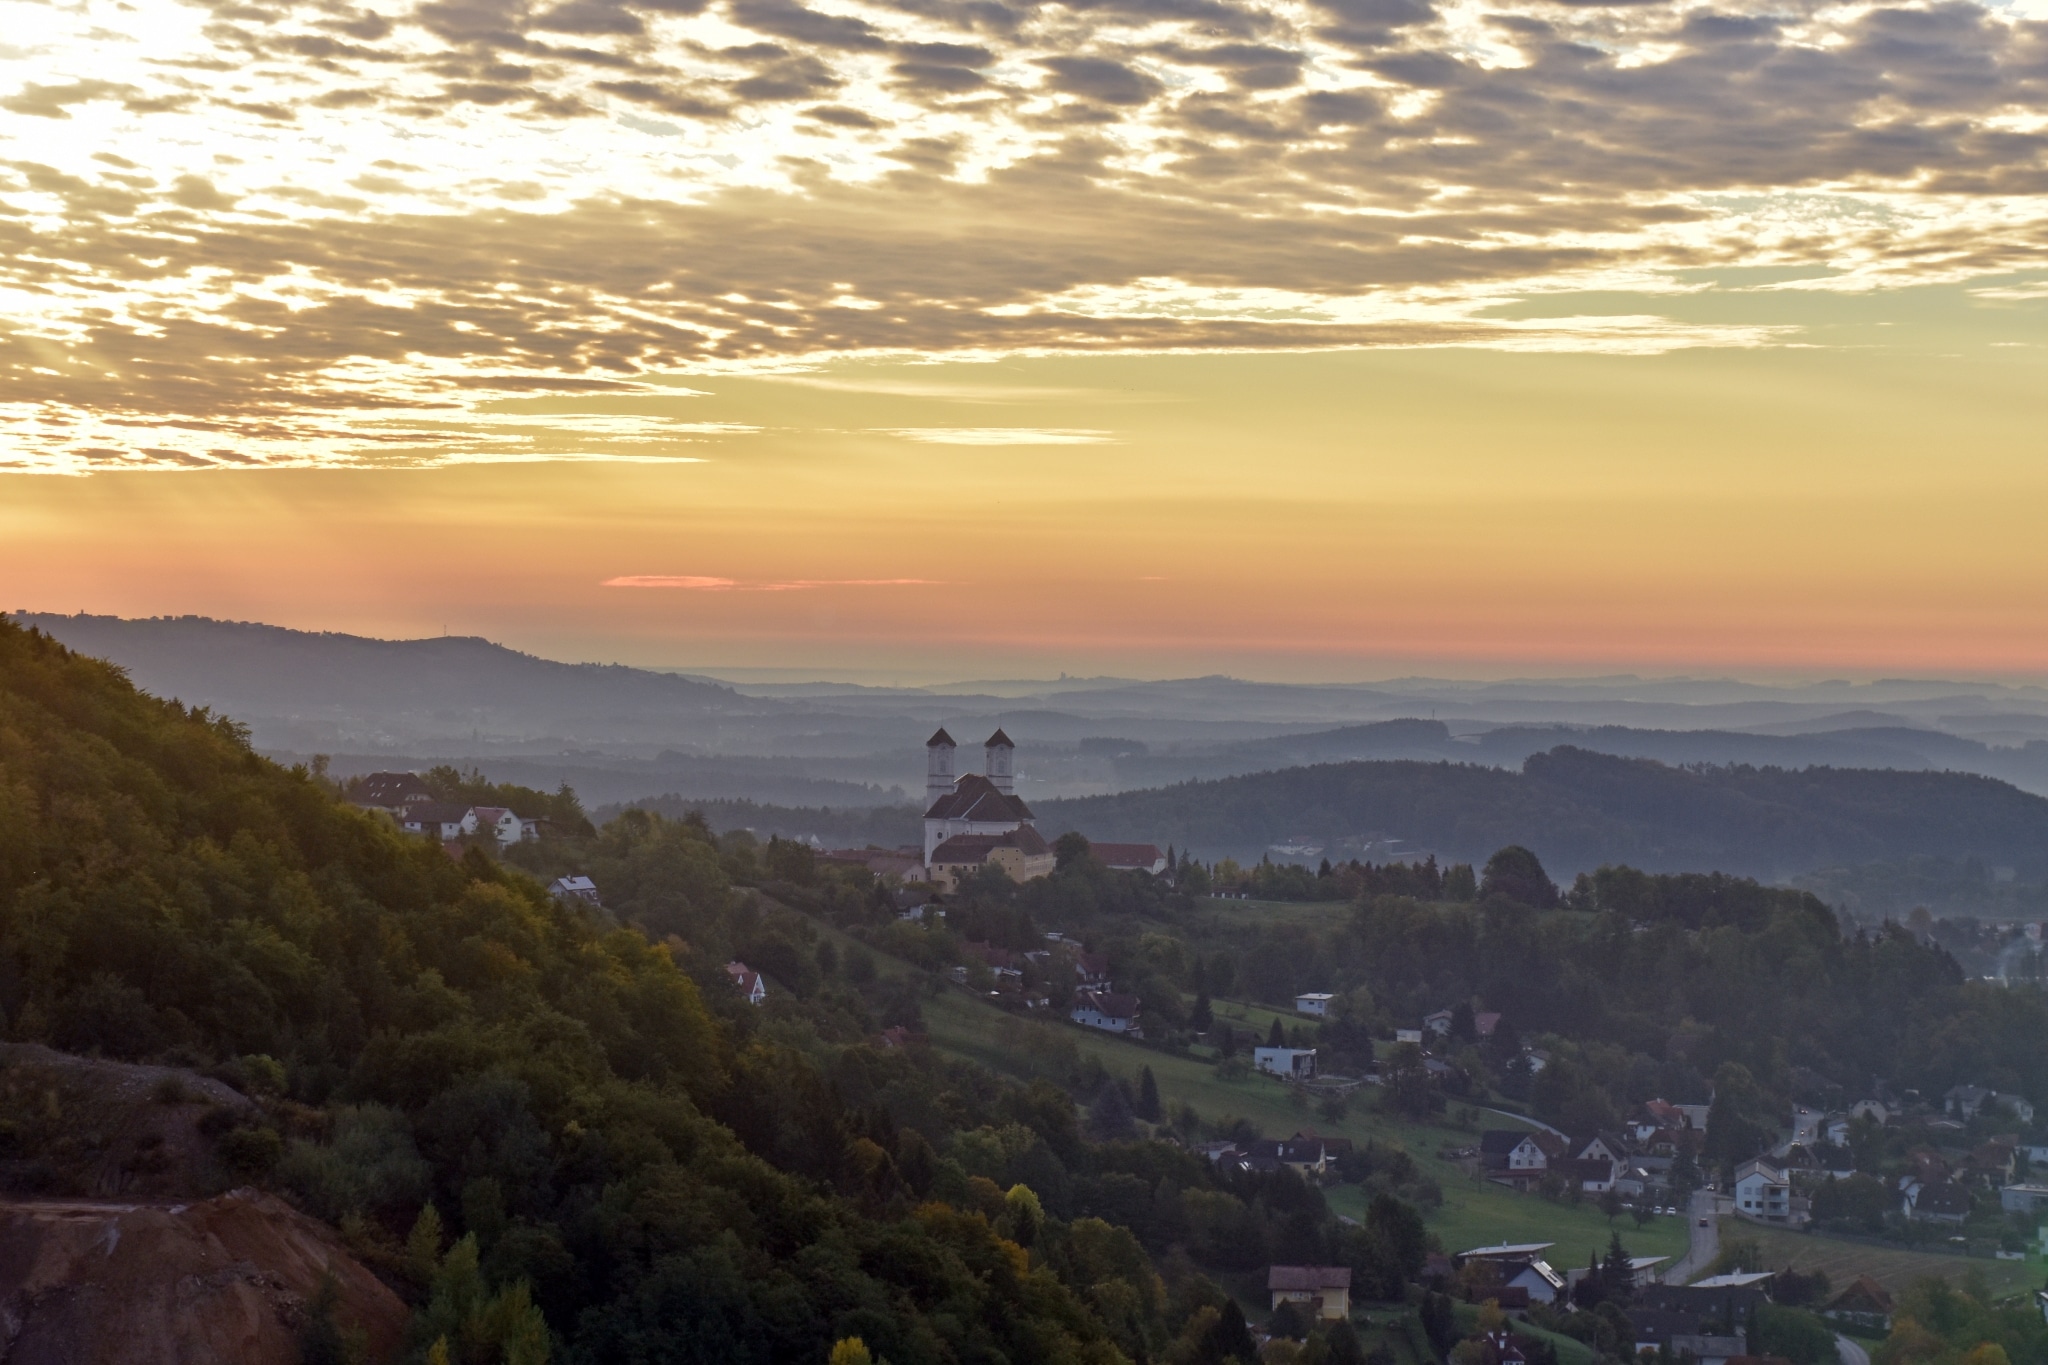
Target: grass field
{"x": 1474, "y": 1213}
{"x": 1894, "y": 1269}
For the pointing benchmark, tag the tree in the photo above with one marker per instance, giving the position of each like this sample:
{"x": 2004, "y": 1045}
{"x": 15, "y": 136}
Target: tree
{"x": 1228, "y": 1339}
{"x": 1794, "y": 1333}
{"x": 1288, "y": 1321}
{"x": 1275, "y": 1036}
{"x": 1201, "y": 1017}
{"x": 1516, "y": 873}
{"x": 1734, "y": 1132}
{"x": 1617, "y": 1276}
{"x": 851, "y": 1351}
{"x": 1110, "y": 1115}
{"x": 1439, "y": 1321}
{"x": 1404, "y": 1078}
{"x": 1071, "y": 848}
{"x": 1148, "y": 1097}
{"x": 1464, "y": 1027}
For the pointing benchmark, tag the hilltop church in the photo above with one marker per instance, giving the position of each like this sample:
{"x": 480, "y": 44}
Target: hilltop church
{"x": 974, "y": 819}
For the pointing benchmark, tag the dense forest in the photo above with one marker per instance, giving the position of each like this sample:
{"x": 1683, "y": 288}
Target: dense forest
{"x": 1580, "y": 810}
{"x": 543, "y": 1125}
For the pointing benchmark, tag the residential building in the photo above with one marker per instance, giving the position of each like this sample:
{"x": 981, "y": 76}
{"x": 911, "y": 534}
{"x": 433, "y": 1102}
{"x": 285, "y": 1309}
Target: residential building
{"x": 1865, "y": 1304}
{"x": 747, "y": 981}
{"x": 2025, "y": 1197}
{"x": 1130, "y": 857}
{"x": 390, "y": 793}
{"x": 1871, "y": 1109}
{"x": 1306, "y": 1157}
{"x": 1324, "y": 1289}
{"x": 1316, "y": 1003}
{"x": 1517, "y": 1156}
{"x": 1408, "y": 1035}
{"x": 443, "y": 820}
{"x": 1762, "y": 1192}
{"x": 1963, "y": 1101}
{"x": 1289, "y": 1063}
{"x": 1936, "y": 1201}
{"x": 1521, "y": 1269}
{"x": 1108, "y": 1011}
{"x": 502, "y": 825}
{"x": 1438, "y": 1022}
{"x": 574, "y": 888}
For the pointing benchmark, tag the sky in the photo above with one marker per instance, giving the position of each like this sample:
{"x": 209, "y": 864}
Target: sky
{"x": 970, "y": 337}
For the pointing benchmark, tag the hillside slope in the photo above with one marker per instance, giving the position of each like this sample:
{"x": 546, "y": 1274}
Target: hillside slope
{"x": 456, "y": 1050}
{"x": 1580, "y": 810}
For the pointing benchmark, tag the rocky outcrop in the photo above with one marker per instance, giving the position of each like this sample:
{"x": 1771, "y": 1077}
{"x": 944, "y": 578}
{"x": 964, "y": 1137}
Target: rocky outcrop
{"x": 230, "y": 1280}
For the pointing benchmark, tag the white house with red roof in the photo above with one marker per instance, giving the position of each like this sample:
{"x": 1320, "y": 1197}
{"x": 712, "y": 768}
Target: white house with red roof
{"x": 747, "y": 981}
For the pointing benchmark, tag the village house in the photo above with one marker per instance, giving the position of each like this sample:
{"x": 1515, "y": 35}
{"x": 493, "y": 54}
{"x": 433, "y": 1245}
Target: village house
{"x": 1517, "y": 1156}
{"x": 1864, "y": 1304}
{"x": 574, "y": 888}
{"x": 1324, "y": 1289}
{"x": 389, "y": 793}
{"x": 1519, "y": 1270}
{"x": 1130, "y": 857}
{"x": 1108, "y": 1011}
{"x": 1288, "y": 1063}
{"x": 1316, "y": 1003}
{"x": 748, "y": 982}
{"x": 1762, "y": 1192}
{"x": 443, "y": 820}
{"x": 2025, "y": 1197}
{"x": 1935, "y": 1201}
{"x": 502, "y": 825}
{"x": 1306, "y": 1157}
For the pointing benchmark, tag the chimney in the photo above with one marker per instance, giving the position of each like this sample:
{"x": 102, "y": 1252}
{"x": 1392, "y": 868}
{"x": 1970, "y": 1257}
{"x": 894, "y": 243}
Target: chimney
{"x": 939, "y": 778}
{"x": 1001, "y": 763}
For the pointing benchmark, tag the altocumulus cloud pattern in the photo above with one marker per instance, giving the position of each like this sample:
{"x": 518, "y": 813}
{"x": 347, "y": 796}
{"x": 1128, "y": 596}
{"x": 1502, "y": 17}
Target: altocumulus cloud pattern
{"x": 267, "y": 232}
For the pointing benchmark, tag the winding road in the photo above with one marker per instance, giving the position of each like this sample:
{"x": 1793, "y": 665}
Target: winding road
{"x": 1702, "y": 1220}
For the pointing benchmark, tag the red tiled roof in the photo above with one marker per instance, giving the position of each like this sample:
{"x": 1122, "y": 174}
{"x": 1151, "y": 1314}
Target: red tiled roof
{"x": 975, "y": 848}
{"x": 1141, "y": 856}
{"x": 1108, "y": 1003}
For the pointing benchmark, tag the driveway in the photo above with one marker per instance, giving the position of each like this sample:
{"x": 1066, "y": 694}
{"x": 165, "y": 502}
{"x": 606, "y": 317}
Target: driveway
{"x": 1706, "y": 1241}
{"x": 1851, "y": 1352}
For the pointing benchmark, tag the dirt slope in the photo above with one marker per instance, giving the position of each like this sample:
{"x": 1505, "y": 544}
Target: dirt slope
{"x": 225, "y": 1280}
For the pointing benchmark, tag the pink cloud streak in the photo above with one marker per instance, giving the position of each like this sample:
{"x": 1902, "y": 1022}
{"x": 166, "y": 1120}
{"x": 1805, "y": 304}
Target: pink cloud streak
{"x": 700, "y": 583}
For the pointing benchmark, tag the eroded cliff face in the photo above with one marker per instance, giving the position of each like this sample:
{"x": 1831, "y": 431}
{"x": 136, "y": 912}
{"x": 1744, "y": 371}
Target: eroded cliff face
{"x": 230, "y": 1279}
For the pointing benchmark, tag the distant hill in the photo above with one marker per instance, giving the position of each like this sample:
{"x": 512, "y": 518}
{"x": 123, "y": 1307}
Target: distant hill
{"x": 1580, "y": 809}
{"x": 1866, "y": 746}
{"x": 320, "y": 689}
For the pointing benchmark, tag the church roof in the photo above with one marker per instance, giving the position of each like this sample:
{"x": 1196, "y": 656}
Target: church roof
{"x": 975, "y": 848}
{"x": 999, "y": 740}
{"x": 975, "y": 798}
{"x": 941, "y": 739}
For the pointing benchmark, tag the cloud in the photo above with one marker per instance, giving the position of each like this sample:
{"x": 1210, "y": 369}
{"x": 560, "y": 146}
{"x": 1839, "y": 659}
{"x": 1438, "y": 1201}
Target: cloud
{"x": 696, "y": 583}
{"x": 1000, "y": 436}
{"x": 311, "y": 235}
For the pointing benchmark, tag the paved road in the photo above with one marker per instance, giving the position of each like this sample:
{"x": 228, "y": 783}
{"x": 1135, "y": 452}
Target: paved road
{"x": 1850, "y": 1352}
{"x": 1706, "y": 1241}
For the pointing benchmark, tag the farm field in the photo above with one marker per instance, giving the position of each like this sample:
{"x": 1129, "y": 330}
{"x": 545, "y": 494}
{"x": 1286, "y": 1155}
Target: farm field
{"x": 1893, "y": 1268}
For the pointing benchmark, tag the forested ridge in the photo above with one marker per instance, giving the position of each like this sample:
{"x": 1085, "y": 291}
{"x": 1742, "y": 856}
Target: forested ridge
{"x": 1580, "y": 810}
{"x": 537, "y": 1122}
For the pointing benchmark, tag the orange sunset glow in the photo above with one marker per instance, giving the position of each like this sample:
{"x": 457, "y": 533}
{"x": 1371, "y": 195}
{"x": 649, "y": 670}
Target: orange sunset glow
{"x": 1248, "y": 337}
